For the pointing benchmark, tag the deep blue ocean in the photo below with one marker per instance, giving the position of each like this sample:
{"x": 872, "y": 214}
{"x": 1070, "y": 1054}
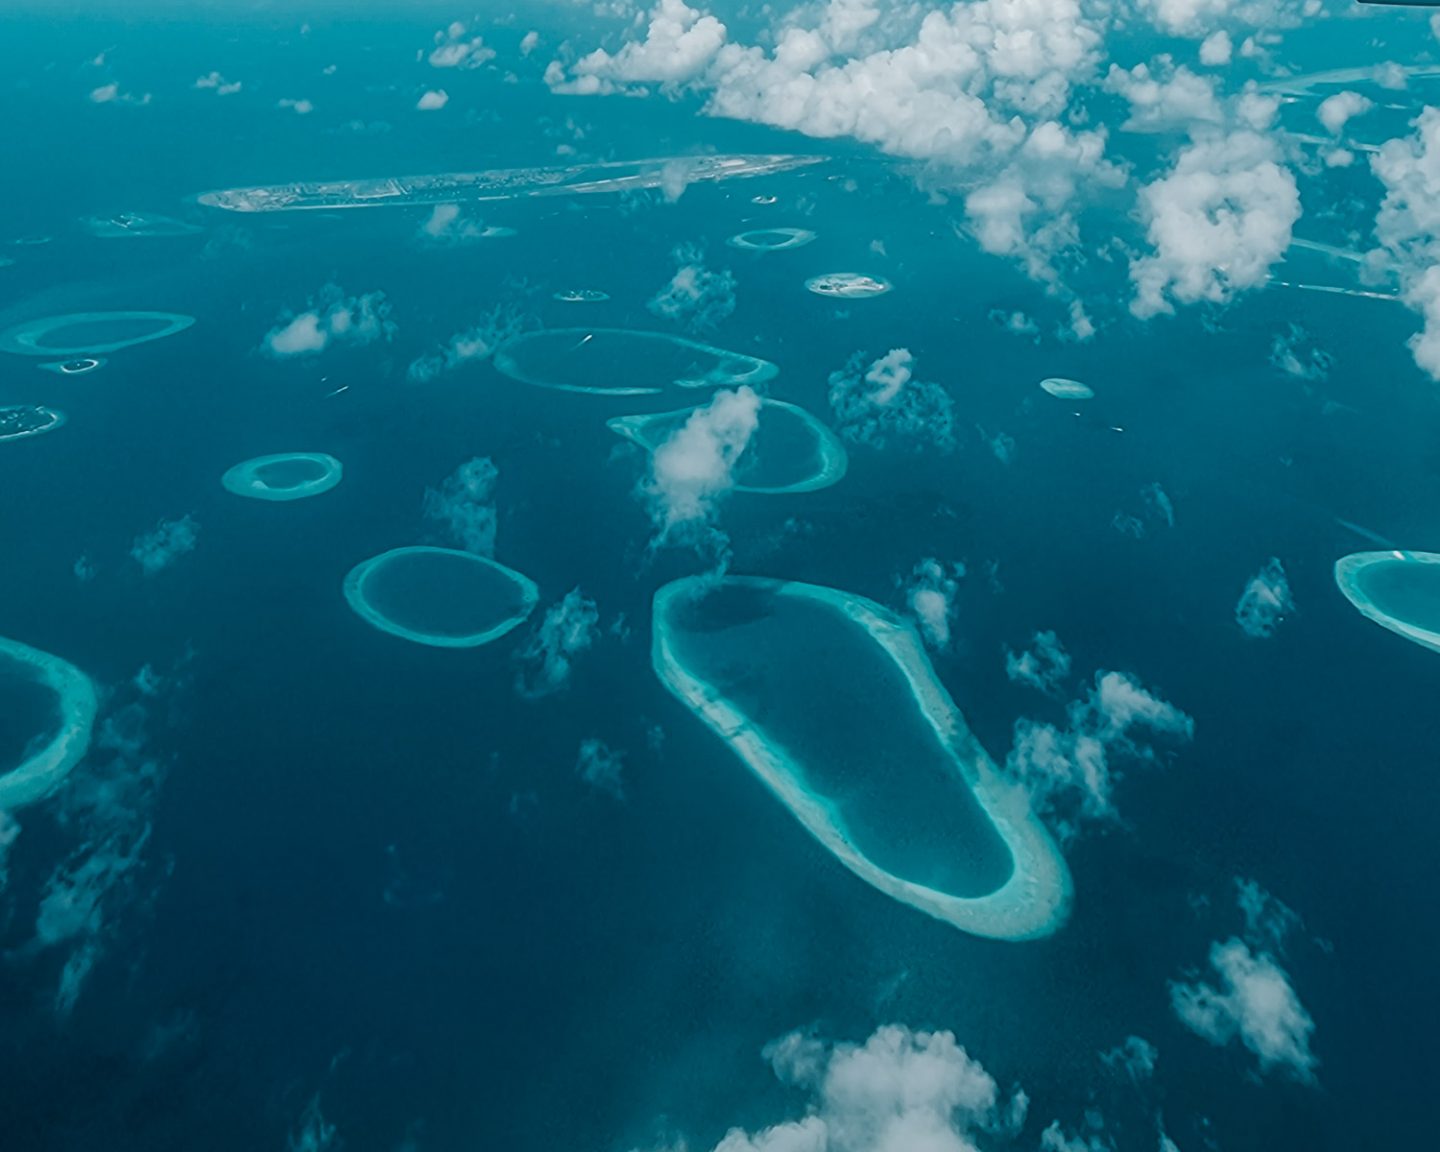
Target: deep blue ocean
{"x": 342, "y": 871}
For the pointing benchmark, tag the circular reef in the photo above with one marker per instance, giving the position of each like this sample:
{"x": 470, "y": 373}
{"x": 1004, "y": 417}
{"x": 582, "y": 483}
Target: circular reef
{"x": 1063, "y": 389}
{"x": 1398, "y": 590}
{"x": 77, "y": 367}
{"x": 790, "y": 450}
{"x": 284, "y": 476}
{"x": 830, "y": 699}
{"x": 848, "y": 285}
{"x": 90, "y": 333}
{"x": 37, "y": 687}
{"x": 440, "y": 596}
{"x": 622, "y": 362}
{"x": 772, "y": 239}
{"x": 19, "y": 421}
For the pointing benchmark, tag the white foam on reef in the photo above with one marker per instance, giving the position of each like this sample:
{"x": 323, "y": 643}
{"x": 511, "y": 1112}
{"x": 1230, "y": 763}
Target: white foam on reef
{"x": 772, "y": 239}
{"x": 75, "y": 367}
{"x": 26, "y": 339}
{"x": 42, "y": 769}
{"x": 529, "y": 596}
{"x": 132, "y": 225}
{"x": 1350, "y": 575}
{"x": 848, "y": 285}
{"x": 581, "y": 296}
{"x": 1064, "y": 389}
{"x": 247, "y": 479}
{"x": 730, "y": 369}
{"x": 14, "y": 424}
{"x": 649, "y": 431}
{"x": 1032, "y": 903}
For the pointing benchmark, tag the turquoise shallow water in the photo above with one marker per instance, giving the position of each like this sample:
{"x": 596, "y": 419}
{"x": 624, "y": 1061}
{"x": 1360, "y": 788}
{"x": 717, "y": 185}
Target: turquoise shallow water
{"x": 1409, "y": 592}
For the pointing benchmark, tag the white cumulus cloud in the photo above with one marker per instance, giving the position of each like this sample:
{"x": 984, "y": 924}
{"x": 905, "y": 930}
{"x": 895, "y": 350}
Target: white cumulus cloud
{"x": 330, "y": 318}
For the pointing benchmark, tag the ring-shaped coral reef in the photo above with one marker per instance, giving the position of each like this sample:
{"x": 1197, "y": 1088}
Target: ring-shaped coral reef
{"x": 46, "y": 763}
{"x": 91, "y": 333}
{"x": 284, "y": 476}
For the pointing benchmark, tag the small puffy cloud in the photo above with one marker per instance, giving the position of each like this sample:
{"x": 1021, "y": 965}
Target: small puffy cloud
{"x": 601, "y": 767}
{"x": 1069, "y": 772}
{"x": 456, "y": 48}
{"x": 1216, "y": 221}
{"x": 157, "y": 549}
{"x": 568, "y": 628}
{"x": 1338, "y": 110}
{"x": 695, "y": 466}
{"x": 299, "y": 107}
{"x": 432, "y": 100}
{"x": 473, "y": 345}
{"x": 884, "y": 402}
{"x": 330, "y": 318}
{"x": 930, "y": 596}
{"x": 1251, "y": 999}
{"x": 529, "y": 42}
{"x": 1044, "y": 665}
{"x": 1135, "y": 1059}
{"x": 695, "y": 296}
{"x": 1165, "y": 97}
{"x": 1297, "y": 353}
{"x": 214, "y": 82}
{"x": 1265, "y": 602}
{"x": 464, "y": 506}
{"x": 112, "y": 94}
{"x": 680, "y": 43}
{"x": 1216, "y": 49}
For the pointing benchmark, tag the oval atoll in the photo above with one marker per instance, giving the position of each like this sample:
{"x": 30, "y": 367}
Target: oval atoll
{"x": 848, "y": 285}
{"x": 77, "y": 367}
{"x": 790, "y": 450}
{"x": 1063, "y": 389}
{"x": 37, "y": 685}
{"x": 284, "y": 476}
{"x": 772, "y": 239}
{"x": 830, "y": 699}
{"x": 90, "y": 333}
{"x": 581, "y": 296}
{"x": 440, "y": 596}
{"x": 18, "y": 421}
{"x": 622, "y": 362}
{"x": 1398, "y": 590}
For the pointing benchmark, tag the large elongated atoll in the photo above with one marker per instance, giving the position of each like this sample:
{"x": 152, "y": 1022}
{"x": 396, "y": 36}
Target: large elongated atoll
{"x": 284, "y": 476}
{"x": 621, "y": 362}
{"x": 501, "y": 183}
{"x": 20, "y": 421}
{"x": 90, "y": 333}
{"x": 790, "y": 450}
{"x": 50, "y": 755}
{"x": 1398, "y": 590}
{"x": 830, "y": 699}
{"x": 440, "y": 596}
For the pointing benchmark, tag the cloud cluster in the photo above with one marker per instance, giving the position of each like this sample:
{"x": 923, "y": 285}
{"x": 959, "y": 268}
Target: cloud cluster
{"x": 1044, "y": 665}
{"x": 1407, "y": 226}
{"x": 1265, "y": 602}
{"x": 330, "y": 318}
{"x": 471, "y": 346}
{"x": 601, "y": 767}
{"x": 696, "y": 296}
{"x": 456, "y": 48}
{"x": 214, "y": 82}
{"x": 1297, "y": 353}
{"x": 568, "y": 628}
{"x": 164, "y": 544}
{"x": 1250, "y": 997}
{"x": 695, "y": 466}
{"x": 464, "y": 506}
{"x": 930, "y": 596}
{"x": 885, "y": 402}
{"x": 1070, "y": 772}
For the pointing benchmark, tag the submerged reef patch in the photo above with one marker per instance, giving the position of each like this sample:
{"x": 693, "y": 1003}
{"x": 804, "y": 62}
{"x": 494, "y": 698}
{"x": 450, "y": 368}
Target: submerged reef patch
{"x": 1063, "y": 389}
{"x": 790, "y": 451}
{"x": 44, "y": 765}
{"x": 440, "y": 596}
{"x": 284, "y": 476}
{"x": 1398, "y": 590}
{"x": 623, "y": 362}
{"x": 848, "y": 285}
{"x": 90, "y": 333}
{"x": 138, "y": 225}
{"x": 772, "y": 239}
{"x": 19, "y": 421}
{"x": 759, "y": 660}
{"x": 581, "y": 295}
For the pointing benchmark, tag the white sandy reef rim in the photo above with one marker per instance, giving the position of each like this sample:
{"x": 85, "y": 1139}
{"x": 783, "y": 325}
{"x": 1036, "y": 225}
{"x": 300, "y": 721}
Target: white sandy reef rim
{"x": 1349, "y": 575}
{"x": 1032, "y": 903}
{"x": 41, "y": 772}
{"x": 246, "y": 479}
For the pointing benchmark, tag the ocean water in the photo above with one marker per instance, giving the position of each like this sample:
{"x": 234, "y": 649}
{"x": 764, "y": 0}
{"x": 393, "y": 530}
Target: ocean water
{"x": 313, "y": 886}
